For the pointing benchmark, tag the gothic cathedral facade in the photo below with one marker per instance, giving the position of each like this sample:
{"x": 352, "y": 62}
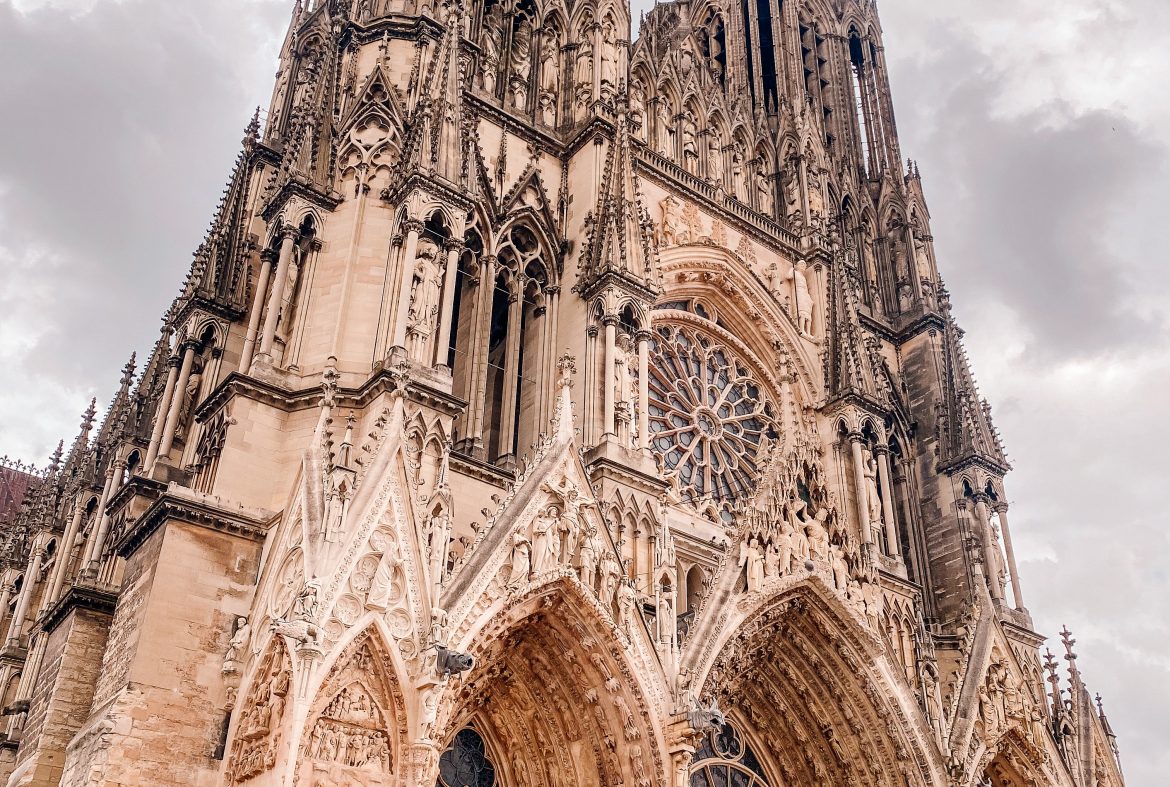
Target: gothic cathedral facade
{"x": 547, "y": 408}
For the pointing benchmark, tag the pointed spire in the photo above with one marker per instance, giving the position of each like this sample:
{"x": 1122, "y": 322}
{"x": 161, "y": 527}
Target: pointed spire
{"x": 852, "y": 362}
{"x": 619, "y": 235}
{"x": 968, "y": 433}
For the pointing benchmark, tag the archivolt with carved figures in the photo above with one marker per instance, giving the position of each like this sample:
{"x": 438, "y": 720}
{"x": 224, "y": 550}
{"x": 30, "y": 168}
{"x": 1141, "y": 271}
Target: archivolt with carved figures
{"x": 553, "y": 688}
{"x": 802, "y": 676}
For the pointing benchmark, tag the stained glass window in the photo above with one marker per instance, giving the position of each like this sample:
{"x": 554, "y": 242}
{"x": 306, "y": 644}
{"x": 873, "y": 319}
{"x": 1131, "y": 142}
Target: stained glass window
{"x": 466, "y": 764}
{"x": 725, "y": 760}
{"x": 708, "y": 415}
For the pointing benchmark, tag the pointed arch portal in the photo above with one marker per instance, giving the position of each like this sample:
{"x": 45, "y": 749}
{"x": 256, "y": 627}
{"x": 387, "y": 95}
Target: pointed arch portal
{"x": 799, "y": 685}
{"x": 552, "y": 700}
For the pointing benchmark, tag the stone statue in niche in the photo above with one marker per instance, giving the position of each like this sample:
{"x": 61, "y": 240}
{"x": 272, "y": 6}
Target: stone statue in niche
{"x": 521, "y": 65}
{"x": 690, "y": 143}
{"x": 737, "y": 185}
{"x": 308, "y": 601}
{"x": 609, "y": 55}
{"x": 665, "y": 128}
{"x": 237, "y": 645}
{"x": 784, "y": 546}
{"x": 801, "y": 297}
{"x": 667, "y": 622}
{"x": 491, "y": 43}
{"x": 638, "y": 117}
{"x": 715, "y": 158}
{"x": 550, "y": 64}
{"x": 521, "y": 559}
{"x": 771, "y": 562}
{"x": 765, "y": 202}
{"x": 382, "y": 584}
{"x": 584, "y": 77}
{"x": 873, "y": 500}
{"x": 425, "y": 297}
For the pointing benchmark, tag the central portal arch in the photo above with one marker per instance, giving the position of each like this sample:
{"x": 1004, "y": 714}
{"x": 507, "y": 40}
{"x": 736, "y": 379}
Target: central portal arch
{"x": 553, "y": 699}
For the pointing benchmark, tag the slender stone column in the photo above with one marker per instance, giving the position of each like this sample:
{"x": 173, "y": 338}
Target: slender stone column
{"x": 98, "y": 542}
{"x": 25, "y": 597}
{"x": 1013, "y": 571}
{"x": 288, "y": 239}
{"x": 406, "y": 275}
{"x": 161, "y": 417}
{"x": 991, "y": 553}
{"x": 856, "y": 441}
{"x": 447, "y": 316}
{"x": 883, "y": 457}
{"x": 249, "y": 350}
{"x": 176, "y": 404}
{"x": 481, "y": 335}
{"x": 64, "y": 551}
{"x": 5, "y": 597}
{"x": 643, "y": 390}
{"x": 511, "y": 370}
{"x": 609, "y": 428}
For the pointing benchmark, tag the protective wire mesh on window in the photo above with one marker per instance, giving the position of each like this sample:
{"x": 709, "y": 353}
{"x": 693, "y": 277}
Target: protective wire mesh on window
{"x": 725, "y": 760}
{"x": 466, "y": 764}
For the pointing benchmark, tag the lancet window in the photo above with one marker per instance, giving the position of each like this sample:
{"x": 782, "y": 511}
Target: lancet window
{"x": 867, "y": 103}
{"x": 708, "y": 416}
{"x": 814, "y": 55}
{"x": 726, "y": 760}
{"x": 501, "y": 339}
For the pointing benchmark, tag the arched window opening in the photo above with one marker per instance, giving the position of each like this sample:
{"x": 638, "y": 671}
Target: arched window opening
{"x": 713, "y": 45}
{"x": 861, "y": 100}
{"x": 518, "y": 334}
{"x": 767, "y": 56}
{"x": 749, "y": 47}
{"x": 466, "y": 763}
{"x": 727, "y": 760}
{"x": 815, "y": 57}
{"x": 695, "y": 579}
{"x": 460, "y": 356}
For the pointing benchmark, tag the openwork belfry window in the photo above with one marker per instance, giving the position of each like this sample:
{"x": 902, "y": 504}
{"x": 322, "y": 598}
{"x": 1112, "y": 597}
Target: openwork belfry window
{"x": 708, "y": 415}
{"x": 725, "y": 760}
{"x": 466, "y": 764}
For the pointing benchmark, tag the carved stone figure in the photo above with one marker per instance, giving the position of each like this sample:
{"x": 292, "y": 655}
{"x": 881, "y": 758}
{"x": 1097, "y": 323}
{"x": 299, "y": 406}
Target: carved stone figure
{"x": 665, "y": 128}
{"x": 609, "y": 55}
{"x": 818, "y": 535}
{"x": 237, "y": 645}
{"x": 382, "y": 583}
{"x": 715, "y": 158}
{"x": 550, "y": 64}
{"x": 610, "y": 572}
{"x": 545, "y": 543}
{"x": 873, "y": 499}
{"x": 626, "y": 603}
{"x": 752, "y": 560}
{"x": 801, "y": 297}
{"x": 491, "y": 43}
{"x": 590, "y": 547}
{"x": 690, "y": 143}
{"x": 521, "y": 559}
{"x": 672, "y": 230}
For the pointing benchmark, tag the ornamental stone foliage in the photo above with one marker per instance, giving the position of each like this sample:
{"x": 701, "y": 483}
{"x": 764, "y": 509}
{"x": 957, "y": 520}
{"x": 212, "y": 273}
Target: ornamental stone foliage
{"x": 546, "y": 408}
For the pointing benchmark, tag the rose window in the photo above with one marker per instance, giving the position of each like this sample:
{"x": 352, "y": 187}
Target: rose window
{"x": 708, "y": 415}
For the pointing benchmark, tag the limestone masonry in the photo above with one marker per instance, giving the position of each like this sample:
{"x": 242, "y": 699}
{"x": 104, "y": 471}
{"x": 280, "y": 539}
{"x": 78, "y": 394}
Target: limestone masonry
{"x": 546, "y": 409}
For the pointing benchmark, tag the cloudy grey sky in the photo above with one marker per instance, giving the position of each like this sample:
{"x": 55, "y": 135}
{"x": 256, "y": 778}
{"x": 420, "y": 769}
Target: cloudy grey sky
{"x": 1042, "y": 128}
